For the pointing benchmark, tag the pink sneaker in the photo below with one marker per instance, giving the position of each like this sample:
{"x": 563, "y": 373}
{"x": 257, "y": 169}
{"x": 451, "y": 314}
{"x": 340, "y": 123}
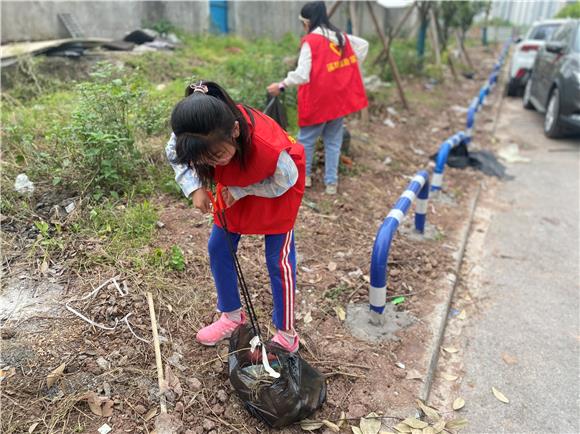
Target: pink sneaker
{"x": 219, "y": 330}
{"x": 281, "y": 341}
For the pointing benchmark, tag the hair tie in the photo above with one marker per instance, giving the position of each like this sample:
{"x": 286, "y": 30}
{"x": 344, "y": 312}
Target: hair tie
{"x": 199, "y": 87}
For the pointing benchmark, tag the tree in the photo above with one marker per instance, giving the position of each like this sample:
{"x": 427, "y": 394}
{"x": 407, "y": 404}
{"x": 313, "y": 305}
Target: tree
{"x": 571, "y": 10}
{"x": 466, "y": 12}
{"x": 487, "y": 9}
{"x": 447, "y": 11}
{"x": 423, "y": 9}
{"x": 459, "y": 15}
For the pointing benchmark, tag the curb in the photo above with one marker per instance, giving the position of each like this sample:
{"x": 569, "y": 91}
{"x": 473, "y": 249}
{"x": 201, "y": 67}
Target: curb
{"x": 434, "y": 358}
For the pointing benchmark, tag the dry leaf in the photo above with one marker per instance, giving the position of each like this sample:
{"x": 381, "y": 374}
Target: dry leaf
{"x": 310, "y": 425}
{"x": 449, "y": 377}
{"x": 44, "y": 267}
{"x": 150, "y": 414}
{"x": 450, "y": 350}
{"x": 7, "y": 373}
{"x": 55, "y": 375}
{"x": 439, "y": 426}
{"x": 99, "y": 405}
{"x": 401, "y": 427}
{"x": 428, "y": 430}
{"x": 509, "y": 359}
{"x": 342, "y": 419}
{"x": 332, "y": 266}
{"x": 416, "y": 431}
{"x": 172, "y": 381}
{"x": 415, "y": 423}
{"x": 456, "y": 424}
{"x": 458, "y": 403}
{"x": 356, "y": 430}
{"x": 307, "y": 318}
{"x": 372, "y": 425}
{"x": 462, "y": 315}
{"x": 429, "y": 412}
{"x": 386, "y": 432}
{"x": 32, "y": 427}
{"x": 333, "y": 427}
{"x": 413, "y": 374}
{"x": 500, "y": 396}
{"x": 340, "y": 313}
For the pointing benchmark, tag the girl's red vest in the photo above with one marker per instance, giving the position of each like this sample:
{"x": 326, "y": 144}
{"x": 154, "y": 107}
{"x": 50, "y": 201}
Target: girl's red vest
{"x": 260, "y": 215}
{"x": 335, "y": 88}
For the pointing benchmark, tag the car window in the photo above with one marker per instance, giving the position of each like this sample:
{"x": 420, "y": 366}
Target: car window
{"x": 543, "y": 32}
{"x": 563, "y": 34}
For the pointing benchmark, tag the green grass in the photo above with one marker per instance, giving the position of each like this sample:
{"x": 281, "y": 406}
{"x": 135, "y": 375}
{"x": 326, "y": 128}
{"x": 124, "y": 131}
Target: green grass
{"x": 102, "y": 138}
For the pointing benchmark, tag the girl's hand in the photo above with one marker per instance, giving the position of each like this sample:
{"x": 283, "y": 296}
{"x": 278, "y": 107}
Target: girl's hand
{"x": 201, "y": 200}
{"x": 228, "y": 198}
{"x": 274, "y": 89}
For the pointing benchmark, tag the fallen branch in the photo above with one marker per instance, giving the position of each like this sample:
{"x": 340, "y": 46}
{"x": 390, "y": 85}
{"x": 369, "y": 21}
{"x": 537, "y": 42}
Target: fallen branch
{"x": 157, "y": 347}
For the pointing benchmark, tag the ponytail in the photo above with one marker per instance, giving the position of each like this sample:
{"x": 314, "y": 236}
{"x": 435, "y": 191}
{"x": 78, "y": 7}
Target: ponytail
{"x": 204, "y": 118}
{"x": 315, "y": 13}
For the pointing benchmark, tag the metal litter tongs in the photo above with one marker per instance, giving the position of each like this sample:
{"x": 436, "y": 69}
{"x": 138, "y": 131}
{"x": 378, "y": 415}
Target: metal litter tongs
{"x": 219, "y": 210}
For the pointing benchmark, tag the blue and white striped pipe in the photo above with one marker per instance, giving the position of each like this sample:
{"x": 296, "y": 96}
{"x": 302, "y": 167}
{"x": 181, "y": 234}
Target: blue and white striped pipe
{"x": 441, "y": 161}
{"x": 417, "y": 188}
{"x": 482, "y": 94}
{"x": 470, "y": 124}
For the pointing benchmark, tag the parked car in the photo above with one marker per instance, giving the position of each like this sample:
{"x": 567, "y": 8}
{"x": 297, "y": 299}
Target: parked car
{"x": 525, "y": 52}
{"x": 554, "y": 86}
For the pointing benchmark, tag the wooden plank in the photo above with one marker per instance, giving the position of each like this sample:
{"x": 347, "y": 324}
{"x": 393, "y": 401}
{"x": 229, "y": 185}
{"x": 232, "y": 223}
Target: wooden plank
{"x": 435, "y": 37}
{"x": 364, "y": 114}
{"x": 333, "y": 8}
{"x": 395, "y": 33}
{"x": 392, "y": 63}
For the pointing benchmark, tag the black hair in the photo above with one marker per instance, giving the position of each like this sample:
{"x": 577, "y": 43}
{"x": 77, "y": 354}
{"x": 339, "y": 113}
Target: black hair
{"x": 205, "y": 117}
{"x": 315, "y": 13}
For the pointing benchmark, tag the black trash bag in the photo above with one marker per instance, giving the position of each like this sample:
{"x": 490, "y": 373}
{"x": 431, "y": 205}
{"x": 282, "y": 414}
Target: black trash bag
{"x": 276, "y": 110}
{"x": 278, "y": 402}
{"x": 460, "y": 157}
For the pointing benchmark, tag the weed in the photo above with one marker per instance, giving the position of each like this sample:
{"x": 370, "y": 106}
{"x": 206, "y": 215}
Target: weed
{"x": 334, "y": 293}
{"x": 48, "y": 240}
{"x": 124, "y": 227}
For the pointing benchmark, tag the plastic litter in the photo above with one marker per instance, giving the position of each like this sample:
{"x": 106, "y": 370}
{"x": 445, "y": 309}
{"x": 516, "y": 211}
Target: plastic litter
{"x": 511, "y": 154}
{"x": 23, "y": 185}
{"x": 299, "y": 391}
{"x": 105, "y": 429}
{"x": 398, "y": 300}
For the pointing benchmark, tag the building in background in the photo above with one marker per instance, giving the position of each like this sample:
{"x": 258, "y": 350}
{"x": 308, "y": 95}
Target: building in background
{"x": 524, "y": 13}
{"x": 39, "y": 20}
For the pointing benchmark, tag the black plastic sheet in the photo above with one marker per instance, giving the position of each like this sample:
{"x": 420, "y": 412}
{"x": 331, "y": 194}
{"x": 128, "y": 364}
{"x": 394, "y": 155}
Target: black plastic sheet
{"x": 299, "y": 392}
{"x": 460, "y": 158}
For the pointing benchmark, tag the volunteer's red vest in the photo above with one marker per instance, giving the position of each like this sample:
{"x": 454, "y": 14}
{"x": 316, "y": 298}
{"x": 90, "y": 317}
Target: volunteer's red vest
{"x": 335, "y": 88}
{"x": 260, "y": 215}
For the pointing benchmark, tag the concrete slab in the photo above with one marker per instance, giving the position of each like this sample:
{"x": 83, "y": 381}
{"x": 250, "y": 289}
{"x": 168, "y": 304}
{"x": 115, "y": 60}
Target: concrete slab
{"x": 358, "y": 323}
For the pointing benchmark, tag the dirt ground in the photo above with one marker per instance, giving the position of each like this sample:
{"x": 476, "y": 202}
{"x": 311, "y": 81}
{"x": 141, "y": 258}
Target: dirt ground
{"x": 334, "y": 238}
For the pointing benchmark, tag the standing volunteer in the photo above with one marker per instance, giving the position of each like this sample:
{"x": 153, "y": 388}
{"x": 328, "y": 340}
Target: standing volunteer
{"x": 261, "y": 170}
{"x": 329, "y": 87}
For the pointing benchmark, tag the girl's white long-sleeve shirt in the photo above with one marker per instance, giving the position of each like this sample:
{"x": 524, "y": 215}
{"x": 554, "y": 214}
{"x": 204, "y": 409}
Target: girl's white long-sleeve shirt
{"x": 284, "y": 177}
{"x": 301, "y": 75}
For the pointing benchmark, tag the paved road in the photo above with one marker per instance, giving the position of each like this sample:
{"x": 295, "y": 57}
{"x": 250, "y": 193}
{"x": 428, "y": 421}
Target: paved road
{"x": 529, "y": 290}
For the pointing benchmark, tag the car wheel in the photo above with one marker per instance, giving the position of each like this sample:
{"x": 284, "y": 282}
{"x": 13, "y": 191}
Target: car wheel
{"x": 526, "y": 100}
{"x": 512, "y": 88}
{"x": 552, "y": 124}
